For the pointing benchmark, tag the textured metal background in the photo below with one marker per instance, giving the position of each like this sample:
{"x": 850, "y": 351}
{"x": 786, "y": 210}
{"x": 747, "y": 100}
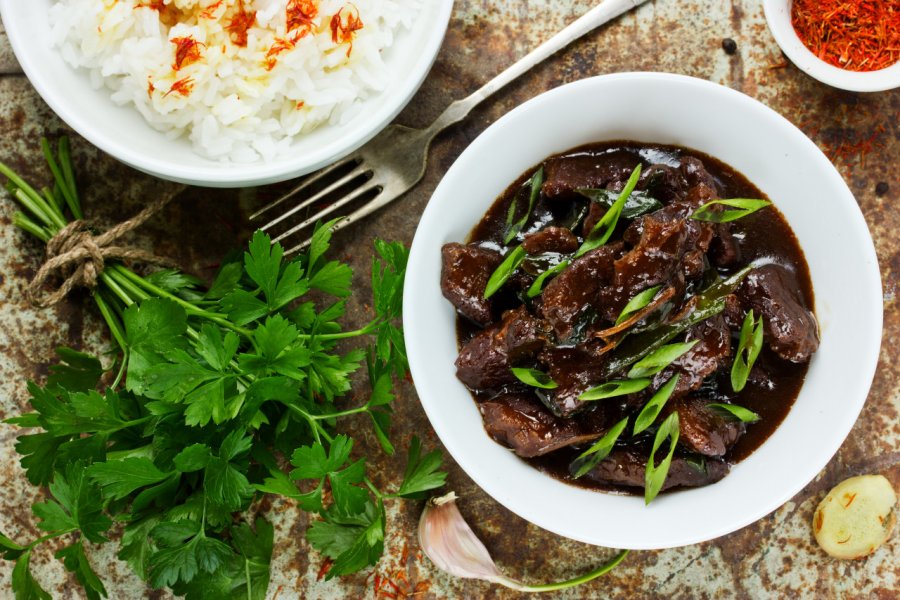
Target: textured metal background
{"x": 774, "y": 558}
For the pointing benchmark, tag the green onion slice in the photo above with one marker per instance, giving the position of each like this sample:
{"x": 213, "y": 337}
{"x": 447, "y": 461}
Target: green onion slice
{"x": 504, "y": 271}
{"x": 652, "y": 409}
{"x": 538, "y": 284}
{"x": 604, "y": 228}
{"x": 611, "y": 389}
{"x": 513, "y": 229}
{"x": 637, "y": 303}
{"x": 637, "y": 204}
{"x": 534, "y": 378}
{"x": 748, "y": 350}
{"x": 659, "y": 359}
{"x": 742, "y": 206}
{"x": 591, "y": 457}
{"x": 738, "y": 412}
{"x": 655, "y": 476}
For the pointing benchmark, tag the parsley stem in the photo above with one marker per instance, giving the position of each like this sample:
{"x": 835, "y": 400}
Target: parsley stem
{"x": 50, "y": 536}
{"x": 374, "y": 489}
{"x": 24, "y": 222}
{"x": 113, "y": 323}
{"x": 344, "y": 334}
{"x": 343, "y": 413}
{"x": 139, "y": 282}
{"x": 247, "y": 578}
{"x": 116, "y": 288}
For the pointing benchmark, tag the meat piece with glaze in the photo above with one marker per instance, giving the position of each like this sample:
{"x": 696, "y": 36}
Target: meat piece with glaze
{"x": 465, "y": 271}
{"x": 564, "y": 175}
{"x": 520, "y": 422}
{"x": 702, "y": 429}
{"x": 551, "y": 239}
{"x": 789, "y": 329}
{"x": 711, "y": 353}
{"x": 570, "y": 296}
{"x": 484, "y": 361}
{"x": 575, "y": 371}
{"x": 626, "y": 467}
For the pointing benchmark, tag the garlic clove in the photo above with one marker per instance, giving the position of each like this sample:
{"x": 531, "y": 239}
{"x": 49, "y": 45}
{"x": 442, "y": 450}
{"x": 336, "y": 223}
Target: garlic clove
{"x": 453, "y": 547}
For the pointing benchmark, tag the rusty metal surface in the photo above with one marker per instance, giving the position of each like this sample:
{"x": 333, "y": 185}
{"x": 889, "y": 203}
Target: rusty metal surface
{"x": 773, "y": 558}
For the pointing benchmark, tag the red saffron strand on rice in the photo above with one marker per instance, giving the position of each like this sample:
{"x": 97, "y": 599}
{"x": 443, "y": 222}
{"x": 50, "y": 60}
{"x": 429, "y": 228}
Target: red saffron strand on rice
{"x": 299, "y": 14}
{"x": 344, "y": 24}
{"x": 187, "y": 51}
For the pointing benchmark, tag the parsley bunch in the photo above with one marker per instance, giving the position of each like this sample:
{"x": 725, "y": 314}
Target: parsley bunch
{"x": 211, "y": 394}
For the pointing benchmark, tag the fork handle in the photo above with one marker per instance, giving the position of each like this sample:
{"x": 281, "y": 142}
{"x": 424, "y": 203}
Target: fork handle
{"x": 604, "y": 12}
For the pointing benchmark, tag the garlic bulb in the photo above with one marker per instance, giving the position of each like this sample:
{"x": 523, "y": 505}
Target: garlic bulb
{"x": 452, "y": 546}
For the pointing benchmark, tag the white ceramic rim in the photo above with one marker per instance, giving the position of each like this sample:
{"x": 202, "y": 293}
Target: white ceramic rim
{"x": 221, "y": 175}
{"x": 513, "y": 483}
{"x": 778, "y": 17}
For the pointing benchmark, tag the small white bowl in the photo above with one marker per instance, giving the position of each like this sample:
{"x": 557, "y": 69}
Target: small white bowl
{"x": 123, "y": 133}
{"x": 785, "y": 165}
{"x": 778, "y": 16}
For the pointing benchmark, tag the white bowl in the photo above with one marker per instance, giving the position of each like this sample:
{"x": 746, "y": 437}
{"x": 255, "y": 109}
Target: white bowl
{"x": 123, "y": 133}
{"x": 778, "y": 16}
{"x": 785, "y": 165}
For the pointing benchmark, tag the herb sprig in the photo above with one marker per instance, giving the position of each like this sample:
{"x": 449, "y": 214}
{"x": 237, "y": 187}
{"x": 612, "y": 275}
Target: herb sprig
{"x": 210, "y": 389}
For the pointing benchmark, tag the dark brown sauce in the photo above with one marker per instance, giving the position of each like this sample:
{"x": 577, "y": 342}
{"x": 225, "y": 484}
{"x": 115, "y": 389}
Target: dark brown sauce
{"x": 762, "y": 235}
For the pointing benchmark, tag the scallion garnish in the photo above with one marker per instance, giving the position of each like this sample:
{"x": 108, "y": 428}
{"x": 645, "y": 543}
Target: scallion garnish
{"x": 742, "y": 206}
{"x": 638, "y": 302}
{"x": 652, "y": 409}
{"x": 659, "y": 359}
{"x": 504, "y": 271}
{"x": 538, "y": 284}
{"x": 637, "y": 204}
{"x": 710, "y": 302}
{"x": 591, "y": 457}
{"x": 655, "y": 476}
{"x": 604, "y": 228}
{"x": 738, "y": 412}
{"x": 611, "y": 389}
{"x": 748, "y": 350}
{"x": 513, "y": 229}
{"x": 534, "y": 378}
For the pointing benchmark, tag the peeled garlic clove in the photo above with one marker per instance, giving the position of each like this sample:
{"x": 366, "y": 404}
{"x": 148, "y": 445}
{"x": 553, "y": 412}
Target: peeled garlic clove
{"x": 452, "y": 546}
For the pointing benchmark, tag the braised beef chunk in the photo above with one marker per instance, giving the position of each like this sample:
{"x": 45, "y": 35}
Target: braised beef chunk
{"x": 465, "y": 271}
{"x": 789, "y": 327}
{"x": 519, "y": 421}
{"x": 660, "y": 262}
{"x": 655, "y": 260}
{"x": 575, "y": 371}
{"x": 711, "y": 352}
{"x": 551, "y": 239}
{"x": 724, "y": 250}
{"x": 564, "y": 175}
{"x": 627, "y": 467}
{"x": 485, "y": 361}
{"x": 702, "y": 429}
{"x": 662, "y": 182}
{"x": 576, "y": 292}
{"x": 595, "y": 213}
{"x": 695, "y": 173}
{"x": 523, "y": 335}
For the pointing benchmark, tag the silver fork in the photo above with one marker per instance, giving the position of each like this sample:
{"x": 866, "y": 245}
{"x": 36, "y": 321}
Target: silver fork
{"x": 394, "y": 161}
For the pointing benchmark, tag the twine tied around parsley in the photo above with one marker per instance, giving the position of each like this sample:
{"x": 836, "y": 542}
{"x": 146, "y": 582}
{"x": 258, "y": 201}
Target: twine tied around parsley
{"x": 78, "y": 257}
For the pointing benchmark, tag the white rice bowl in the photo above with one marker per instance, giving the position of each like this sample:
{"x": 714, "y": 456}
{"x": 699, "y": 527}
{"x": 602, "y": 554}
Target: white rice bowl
{"x": 236, "y": 102}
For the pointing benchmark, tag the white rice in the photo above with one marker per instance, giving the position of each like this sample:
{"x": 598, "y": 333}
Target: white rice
{"x": 241, "y": 103}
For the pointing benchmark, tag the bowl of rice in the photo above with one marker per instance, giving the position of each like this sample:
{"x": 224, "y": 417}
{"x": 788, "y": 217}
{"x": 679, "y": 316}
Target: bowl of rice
{"x": 226, "y": 93}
